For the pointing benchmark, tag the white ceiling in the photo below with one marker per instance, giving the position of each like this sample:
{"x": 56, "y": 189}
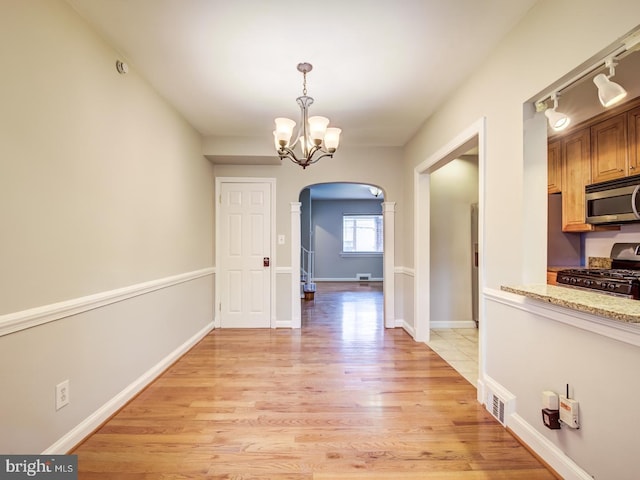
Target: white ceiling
{"x": 381, "y": 67}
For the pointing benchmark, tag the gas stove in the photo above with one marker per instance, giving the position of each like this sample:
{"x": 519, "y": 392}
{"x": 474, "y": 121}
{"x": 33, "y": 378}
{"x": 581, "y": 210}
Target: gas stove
{"x": 622, "y": 280}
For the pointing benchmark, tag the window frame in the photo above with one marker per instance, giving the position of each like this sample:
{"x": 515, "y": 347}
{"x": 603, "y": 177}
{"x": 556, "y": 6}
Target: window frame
{"x": 379, "y": 233}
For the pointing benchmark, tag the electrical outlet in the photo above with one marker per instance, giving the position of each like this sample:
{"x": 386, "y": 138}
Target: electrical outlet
{"x": 62, "y": 394}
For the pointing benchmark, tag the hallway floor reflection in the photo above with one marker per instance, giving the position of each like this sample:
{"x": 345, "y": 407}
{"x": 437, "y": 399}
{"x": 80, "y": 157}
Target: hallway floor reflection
{"x": 356, "y": 306}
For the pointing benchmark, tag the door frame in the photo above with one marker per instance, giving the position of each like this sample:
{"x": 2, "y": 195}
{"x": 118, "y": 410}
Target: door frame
{"x": 422, "y": 244}
{"x": 272, "y": 244}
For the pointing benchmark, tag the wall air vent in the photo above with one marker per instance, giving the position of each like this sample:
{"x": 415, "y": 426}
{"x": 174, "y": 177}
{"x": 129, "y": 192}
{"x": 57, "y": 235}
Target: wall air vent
{"x": 500, "y": 403}
{"x": 496, "y": 407}
{"x": 363, "y": 277}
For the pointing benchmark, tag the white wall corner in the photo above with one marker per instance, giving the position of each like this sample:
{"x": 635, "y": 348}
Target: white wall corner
{"x": 408, "y": 328}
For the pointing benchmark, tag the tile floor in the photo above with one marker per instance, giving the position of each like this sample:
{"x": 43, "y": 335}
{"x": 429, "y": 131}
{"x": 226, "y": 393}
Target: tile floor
{"x": 459, "y": 348}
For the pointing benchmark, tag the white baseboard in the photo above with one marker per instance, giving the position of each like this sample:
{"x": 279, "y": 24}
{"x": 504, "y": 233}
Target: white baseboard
{"x": 537, "y": 442}
{"x": 93, "y": 421}
{"x": 549, "y": 452}
{"x": 283, "y": 324}
{"x": 481, "y": 390}
{"x": 408, "y": 328}
{"x": 453, "y": 324}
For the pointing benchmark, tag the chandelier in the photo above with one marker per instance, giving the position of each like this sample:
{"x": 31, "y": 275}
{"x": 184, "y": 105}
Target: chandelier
{"x": 314, "y": 136}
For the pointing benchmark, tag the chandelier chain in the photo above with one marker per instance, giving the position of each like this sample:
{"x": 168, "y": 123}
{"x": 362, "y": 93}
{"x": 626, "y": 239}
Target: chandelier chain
{"x": 304, "y": 83}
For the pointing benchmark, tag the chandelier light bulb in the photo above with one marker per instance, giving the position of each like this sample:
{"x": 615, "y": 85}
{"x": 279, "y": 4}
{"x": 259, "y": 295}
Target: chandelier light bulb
{"x": 317, "y": 128}
{"x": 284, "y": 130}
{"x": 332, "y": 138}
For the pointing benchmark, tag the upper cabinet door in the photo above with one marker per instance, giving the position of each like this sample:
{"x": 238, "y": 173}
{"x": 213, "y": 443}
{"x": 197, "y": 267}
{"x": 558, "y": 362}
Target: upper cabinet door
{"x": 554, "y": 166}
{"x": 633, "y": 123}
{"x": 609, "y": 149}
{"x": 576, "y": 175}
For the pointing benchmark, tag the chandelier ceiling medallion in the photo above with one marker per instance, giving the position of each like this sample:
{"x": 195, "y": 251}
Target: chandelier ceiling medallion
{"x": 314, "y": 137}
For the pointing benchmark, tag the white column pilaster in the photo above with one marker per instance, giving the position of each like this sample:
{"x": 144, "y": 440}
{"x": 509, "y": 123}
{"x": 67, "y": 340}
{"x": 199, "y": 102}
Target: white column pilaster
{"x": 296, "y": 315}
{"x": 389, "y": 219}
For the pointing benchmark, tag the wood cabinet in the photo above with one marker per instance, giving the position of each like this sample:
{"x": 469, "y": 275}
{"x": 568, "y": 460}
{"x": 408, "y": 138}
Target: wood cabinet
{"x": 554, "y": 166}
{"x": 633, "y": 125}
{"x": 552, "y": 277}
{"x": 604, "y": 148}
{"x": 609, "y": 149}
{"x": 576, "y": 174}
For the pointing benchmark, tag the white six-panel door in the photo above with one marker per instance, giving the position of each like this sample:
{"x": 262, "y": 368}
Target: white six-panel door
{"x": 244, "y": 251}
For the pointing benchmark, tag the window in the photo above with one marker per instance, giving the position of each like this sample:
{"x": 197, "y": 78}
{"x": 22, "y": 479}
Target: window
{"x": 362, "y": 234}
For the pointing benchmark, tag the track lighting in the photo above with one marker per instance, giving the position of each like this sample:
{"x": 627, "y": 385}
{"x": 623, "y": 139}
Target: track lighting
{"x": 557, "y": 120}
{"x": 609, "y": 92}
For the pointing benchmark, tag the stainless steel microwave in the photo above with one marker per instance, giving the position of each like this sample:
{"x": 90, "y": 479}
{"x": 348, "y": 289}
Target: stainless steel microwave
{"x": 614, "y": 201}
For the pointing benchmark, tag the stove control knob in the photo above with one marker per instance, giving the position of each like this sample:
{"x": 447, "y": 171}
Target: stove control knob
{"x": 587, "y": 283}
{"x": 573, "y": 280}
{"x": 611, "y": 286}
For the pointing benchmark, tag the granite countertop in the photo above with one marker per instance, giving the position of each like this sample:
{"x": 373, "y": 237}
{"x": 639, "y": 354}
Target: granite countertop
{"x": 617, "y": 308}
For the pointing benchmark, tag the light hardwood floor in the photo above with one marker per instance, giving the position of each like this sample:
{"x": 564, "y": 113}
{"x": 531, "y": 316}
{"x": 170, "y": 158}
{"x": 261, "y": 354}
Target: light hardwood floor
{"x": 341, "y": 398}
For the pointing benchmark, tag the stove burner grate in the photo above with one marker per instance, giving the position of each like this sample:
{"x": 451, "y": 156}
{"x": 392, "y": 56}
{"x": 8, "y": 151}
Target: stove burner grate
{"x": 616, "y": 281}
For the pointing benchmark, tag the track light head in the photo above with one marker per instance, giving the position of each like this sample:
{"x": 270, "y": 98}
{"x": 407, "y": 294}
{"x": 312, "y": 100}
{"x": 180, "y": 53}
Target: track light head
{"x": 609, "y": 93}
{"x": 557, "y": 120}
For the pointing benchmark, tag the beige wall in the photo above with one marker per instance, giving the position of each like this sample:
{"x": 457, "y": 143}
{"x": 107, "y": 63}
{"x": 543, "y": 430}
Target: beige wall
{"x": 374, "y": 166}
{"x": 102, "y": 187}
{"x": 97, "y": 171}
{"x": 554, "y": 38}
{"x": 453, "y": 188}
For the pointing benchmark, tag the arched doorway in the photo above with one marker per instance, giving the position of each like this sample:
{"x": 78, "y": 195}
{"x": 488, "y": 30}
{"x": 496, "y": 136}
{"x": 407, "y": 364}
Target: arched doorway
{"x": 300, "y": 220}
